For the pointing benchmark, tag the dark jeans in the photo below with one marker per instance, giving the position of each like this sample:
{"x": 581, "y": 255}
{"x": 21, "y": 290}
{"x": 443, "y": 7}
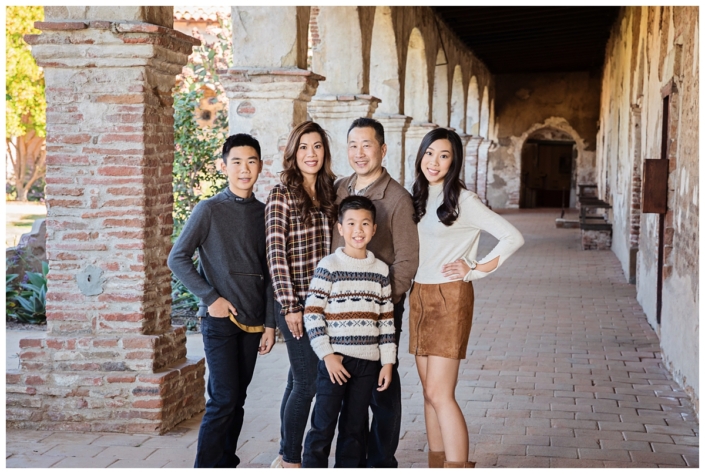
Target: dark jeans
{"x": 350, "y": 400}
{"x": 383, "y": 438}
{"x": 231, "y": 355}
{"x": 299, "y": 392}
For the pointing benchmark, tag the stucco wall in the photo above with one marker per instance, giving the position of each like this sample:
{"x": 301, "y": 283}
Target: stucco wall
{"x": 651, "y": 48}
{"x": 525, "y": 103}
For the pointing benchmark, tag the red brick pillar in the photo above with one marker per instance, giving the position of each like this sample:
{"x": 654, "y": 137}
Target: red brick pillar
{"x": 111, "y": 360}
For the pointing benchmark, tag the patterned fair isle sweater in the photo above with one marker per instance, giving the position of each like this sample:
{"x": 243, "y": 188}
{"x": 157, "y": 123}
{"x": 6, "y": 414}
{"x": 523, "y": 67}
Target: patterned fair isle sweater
{"x": 349, "y": 308}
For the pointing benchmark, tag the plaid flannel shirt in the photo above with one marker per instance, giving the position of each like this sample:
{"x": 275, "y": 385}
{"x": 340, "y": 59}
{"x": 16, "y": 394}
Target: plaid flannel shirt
{"x": 293, "y": 250}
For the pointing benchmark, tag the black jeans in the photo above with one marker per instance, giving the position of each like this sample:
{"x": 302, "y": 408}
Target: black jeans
{"x": 231, "y": 355}
{"x": 299, "y": 392}
{"x": 383, "y": 438}
{"x": 350, "y": 401}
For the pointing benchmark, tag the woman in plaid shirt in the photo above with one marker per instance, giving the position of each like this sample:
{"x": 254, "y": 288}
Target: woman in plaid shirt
{"x": 299, "y": 216}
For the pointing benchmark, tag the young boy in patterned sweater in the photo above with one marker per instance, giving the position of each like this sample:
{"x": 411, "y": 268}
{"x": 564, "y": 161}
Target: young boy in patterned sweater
{"x": 349, "y": 318}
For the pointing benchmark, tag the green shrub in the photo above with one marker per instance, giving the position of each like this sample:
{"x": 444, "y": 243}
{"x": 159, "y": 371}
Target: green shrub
{"x": 195, "y": 175}
{"x": 181, "y": 297}
{"x": 11, "y": 294}
{"x": 32, "y": 298}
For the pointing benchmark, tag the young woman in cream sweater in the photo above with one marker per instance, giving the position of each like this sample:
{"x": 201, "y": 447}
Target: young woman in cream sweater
{"x": 450, "y": 219}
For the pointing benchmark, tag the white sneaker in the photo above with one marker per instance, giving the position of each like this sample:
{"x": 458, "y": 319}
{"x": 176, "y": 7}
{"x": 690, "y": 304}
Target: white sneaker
{"x": 277, "y": 463}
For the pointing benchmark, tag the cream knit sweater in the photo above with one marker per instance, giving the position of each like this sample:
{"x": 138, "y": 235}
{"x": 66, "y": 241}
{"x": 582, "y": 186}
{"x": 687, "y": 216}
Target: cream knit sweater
{"x": 439, "y": 244}
{"x": 349, "y": 308}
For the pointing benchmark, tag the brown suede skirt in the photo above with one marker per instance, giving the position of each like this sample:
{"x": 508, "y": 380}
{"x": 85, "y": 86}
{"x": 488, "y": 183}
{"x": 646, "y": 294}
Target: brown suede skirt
{"x": 440, "y": 318}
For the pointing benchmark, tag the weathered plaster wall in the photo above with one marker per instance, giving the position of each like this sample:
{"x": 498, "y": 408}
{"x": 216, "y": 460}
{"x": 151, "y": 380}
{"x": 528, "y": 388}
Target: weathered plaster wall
{"x": 651, "y": 48}
{"x": 526, "y": 103}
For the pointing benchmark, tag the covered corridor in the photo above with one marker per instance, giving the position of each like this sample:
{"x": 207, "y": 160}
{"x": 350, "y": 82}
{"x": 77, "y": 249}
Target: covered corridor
{"x": 563, "y": 370}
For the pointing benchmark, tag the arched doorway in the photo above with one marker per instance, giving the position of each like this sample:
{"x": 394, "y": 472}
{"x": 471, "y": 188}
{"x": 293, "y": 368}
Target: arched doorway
{"x": 547, "y": 170}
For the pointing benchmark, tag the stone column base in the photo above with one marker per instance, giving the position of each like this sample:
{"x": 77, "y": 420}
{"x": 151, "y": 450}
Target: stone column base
{"x": 482, "y": 162}
{"x": 470, "y": 165}
{"x": 395, "y": 127}
{"x": 464, "y": 140}
{"x": 335, "y": 113}
{"x": 414, "y": 135}
{"x": 107, "y": 383}
{"x": 268, "y": 103}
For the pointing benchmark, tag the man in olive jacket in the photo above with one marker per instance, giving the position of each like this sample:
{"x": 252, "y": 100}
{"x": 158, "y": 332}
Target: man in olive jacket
{"x": 396, "y": 243}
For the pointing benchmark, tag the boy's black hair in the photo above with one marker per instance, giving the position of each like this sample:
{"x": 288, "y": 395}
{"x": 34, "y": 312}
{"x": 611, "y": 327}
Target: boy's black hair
{"x": 363, "y": 122}
{"x": 240, "y": 139}
{"x": 355, "y": 203}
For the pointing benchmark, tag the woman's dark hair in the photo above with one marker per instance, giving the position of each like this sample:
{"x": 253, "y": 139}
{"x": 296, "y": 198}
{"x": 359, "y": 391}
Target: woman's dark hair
{"x": 293, "y": 179}
{"x": 452, "y": 185}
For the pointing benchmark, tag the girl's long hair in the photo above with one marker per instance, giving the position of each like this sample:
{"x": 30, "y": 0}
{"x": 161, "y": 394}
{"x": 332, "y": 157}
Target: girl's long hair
{"x": 292, "y": 178}
{"x": 452, "y": 185}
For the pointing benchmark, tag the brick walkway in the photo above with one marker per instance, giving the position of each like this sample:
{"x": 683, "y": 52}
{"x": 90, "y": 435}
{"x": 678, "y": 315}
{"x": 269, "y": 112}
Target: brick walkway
{"x": 562, "y": 371}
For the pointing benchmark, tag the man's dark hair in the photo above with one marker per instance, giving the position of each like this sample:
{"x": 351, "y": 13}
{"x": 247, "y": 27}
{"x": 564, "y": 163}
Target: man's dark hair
{"x": 356, "y": 203}
{"x": 363, "y": 122}
{"x": 240, "y": 139}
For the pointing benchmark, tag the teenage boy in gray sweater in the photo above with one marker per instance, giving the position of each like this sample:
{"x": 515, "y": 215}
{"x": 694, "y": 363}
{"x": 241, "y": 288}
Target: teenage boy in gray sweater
{"x": 237, "y": 304}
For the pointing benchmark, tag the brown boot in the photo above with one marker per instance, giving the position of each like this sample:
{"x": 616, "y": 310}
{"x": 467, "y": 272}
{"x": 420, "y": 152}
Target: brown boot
{"x": 436, "y": 458}
{"x": 465, "y": 464}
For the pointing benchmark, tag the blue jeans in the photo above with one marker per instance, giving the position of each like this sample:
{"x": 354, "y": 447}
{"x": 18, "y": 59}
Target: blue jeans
{"x": 350, "y": 401}
{"x": 299, "y": 392}
{"x": 383, "y": 438}
{"x": 231, "y": 355}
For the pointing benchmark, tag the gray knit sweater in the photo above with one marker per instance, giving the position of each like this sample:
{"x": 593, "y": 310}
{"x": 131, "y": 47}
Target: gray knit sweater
{"x": 228, "y": 232}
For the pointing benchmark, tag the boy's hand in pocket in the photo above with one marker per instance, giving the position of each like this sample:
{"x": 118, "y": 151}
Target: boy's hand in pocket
{"x": 220, "y": 308}
{"x": 334, "y": 364}
{"x": 385, "y": 377}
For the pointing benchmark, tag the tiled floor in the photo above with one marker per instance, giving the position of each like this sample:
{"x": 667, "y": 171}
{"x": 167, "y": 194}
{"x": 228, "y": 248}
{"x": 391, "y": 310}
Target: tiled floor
{"x": 562, "y": 371}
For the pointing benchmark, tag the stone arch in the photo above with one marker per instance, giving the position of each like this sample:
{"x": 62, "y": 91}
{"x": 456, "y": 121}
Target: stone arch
{"x": 384, "y": 63}
{"x": 485, "y": 113}
{"x": 554, "y": 129}
{"x": 472, "y": 122}
{"x": 340, "y": 37}
{"x": 416, "y": 79}
{"x": 440, "y": 90}
{"x": 457, "y": 104}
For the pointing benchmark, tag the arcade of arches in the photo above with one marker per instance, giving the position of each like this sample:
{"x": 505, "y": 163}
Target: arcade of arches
{"x": 111, "y": 360}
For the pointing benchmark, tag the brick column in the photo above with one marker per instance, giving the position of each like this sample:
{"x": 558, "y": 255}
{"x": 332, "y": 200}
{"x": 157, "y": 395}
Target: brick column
{"x": 268, "y": 103}
{"x": 414, "y": 135}
{"x": 111, "y": 360}
{"x": 335, "y": 113}
{"x": 395, "y": 127}
{"x": 471, "y": 150}
{"x": 482, "y": 161}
